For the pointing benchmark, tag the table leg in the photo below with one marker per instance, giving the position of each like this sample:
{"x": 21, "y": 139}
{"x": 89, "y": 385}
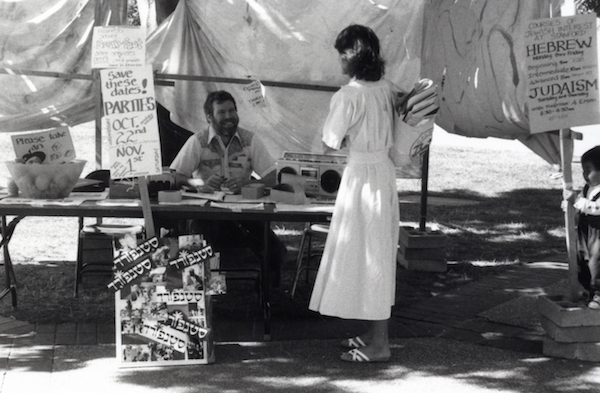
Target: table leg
{"x": 266, "y": 283}
{"x": 9, "y": 273}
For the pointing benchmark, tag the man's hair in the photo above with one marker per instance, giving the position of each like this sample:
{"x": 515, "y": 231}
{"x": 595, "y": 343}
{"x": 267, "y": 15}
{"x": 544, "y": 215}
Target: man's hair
{"x": 592, "y": 156}
{"x": 218, "y": 97}
{"x": 359, "y": 47}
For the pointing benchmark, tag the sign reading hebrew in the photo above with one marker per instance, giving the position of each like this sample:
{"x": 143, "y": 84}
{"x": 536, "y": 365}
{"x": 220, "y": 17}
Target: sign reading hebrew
{"x": 562, "y": 72}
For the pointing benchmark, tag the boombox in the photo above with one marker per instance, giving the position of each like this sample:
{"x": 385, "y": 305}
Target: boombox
{"x": 323, "y": 172}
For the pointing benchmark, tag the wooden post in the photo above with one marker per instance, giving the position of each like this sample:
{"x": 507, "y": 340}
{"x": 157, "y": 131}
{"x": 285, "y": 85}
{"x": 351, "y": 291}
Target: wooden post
{"x": 566, "y": 158}
{"x": 146, "y": 208}
{"x": 424, "y": 181}
{"x": 98, "y": 116}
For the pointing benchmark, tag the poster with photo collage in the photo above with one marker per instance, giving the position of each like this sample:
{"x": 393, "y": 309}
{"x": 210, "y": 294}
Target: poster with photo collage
{"x": 162, "y": 301}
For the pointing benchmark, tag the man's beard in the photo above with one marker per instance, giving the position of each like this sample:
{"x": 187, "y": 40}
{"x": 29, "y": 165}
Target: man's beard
{"x": 227, "y": 127}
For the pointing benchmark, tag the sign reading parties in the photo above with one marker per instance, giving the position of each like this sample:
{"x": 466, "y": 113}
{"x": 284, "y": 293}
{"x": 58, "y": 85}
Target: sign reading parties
{"x": 562, "y": 72}
{"x": 130, "y": 122}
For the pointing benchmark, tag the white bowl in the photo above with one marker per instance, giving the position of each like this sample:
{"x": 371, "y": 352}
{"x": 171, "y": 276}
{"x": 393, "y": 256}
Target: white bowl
{"x": 46, "y": 181}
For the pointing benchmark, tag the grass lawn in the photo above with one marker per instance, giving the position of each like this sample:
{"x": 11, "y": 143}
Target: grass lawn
{"x": 517, "y": 219}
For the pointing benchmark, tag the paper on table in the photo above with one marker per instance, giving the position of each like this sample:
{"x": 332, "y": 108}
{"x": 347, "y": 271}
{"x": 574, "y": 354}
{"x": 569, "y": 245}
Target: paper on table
{"x": 194, "y": 202}
{"x": 41, "y": 202}
{"x": 119, "y": 202}
{"x": 286, "y": 207}
{"x": 89, "y": 196}
{"x": 238, "y": 206}
{"x": 212, "y": 196}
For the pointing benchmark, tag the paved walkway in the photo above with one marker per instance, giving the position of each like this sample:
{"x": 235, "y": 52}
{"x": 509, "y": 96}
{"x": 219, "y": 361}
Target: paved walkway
{"x": 458, "y": 314}
{"x": 479, "y": 337}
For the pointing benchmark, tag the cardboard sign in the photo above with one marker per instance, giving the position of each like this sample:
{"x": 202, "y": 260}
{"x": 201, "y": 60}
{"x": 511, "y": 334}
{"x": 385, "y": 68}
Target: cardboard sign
{"x": 562, "y": 73}
{"x": 162, "y": 308}
{"x": 118, "y": 46}
{"x": 130, "y": 122}
{"x": 49, "y": 147}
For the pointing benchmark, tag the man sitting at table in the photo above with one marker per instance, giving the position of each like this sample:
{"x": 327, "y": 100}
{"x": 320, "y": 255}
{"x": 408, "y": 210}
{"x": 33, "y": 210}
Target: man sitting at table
{"x": 224, "y": 156}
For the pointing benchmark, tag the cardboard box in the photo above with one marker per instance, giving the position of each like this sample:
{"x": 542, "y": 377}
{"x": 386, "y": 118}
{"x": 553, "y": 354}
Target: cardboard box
{"x": 253, "y": 191}
{"x": 422, "y": 250}
{"x": 292, "y": 194}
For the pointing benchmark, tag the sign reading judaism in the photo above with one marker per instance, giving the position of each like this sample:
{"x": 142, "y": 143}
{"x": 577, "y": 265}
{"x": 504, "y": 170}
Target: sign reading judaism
{"x": 562, "y": 73}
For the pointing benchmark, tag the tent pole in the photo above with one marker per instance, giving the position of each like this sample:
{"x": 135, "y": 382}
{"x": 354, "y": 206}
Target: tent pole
{"x": 97, "y": 91}
{"x": 424, "y": 181}
{"x": 98, "y": 117}
{"x": 566, "y": 158}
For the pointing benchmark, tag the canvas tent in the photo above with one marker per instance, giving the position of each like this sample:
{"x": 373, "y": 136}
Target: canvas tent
{"x": 49, "y": 37}
{"x": 449, "y": 41}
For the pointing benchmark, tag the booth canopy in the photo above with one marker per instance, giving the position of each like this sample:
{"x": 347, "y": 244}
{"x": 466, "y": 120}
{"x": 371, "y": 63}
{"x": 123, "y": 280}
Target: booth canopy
{"x": 49, "y": 36}
{"x": 279, "y": 41}
{"x": 472, "y": 49}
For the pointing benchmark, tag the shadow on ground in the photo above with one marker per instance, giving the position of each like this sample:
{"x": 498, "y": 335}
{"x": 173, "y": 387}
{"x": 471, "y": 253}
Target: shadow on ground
{"x": 432, "y": 365}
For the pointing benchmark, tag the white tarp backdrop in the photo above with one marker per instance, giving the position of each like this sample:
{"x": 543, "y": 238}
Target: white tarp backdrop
{"x": 279, "y": 41}
{"x": 475, "y": 44}
{"x": 49, "y": 36}
{"x": 477, "y": 47}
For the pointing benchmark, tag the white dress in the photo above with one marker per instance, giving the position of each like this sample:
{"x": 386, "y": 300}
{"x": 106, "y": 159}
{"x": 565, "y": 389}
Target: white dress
{"x": 357, "y": 274}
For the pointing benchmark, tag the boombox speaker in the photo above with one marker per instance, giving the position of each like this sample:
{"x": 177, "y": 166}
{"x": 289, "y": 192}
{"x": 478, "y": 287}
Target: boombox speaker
{"x": 323, "y": 172}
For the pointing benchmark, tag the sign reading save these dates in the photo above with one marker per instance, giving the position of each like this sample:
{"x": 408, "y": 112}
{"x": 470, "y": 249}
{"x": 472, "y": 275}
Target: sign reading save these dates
{"x": 130, "y": 122}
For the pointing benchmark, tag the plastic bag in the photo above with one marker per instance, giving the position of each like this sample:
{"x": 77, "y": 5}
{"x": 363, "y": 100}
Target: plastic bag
{"x": 413, "y": 129}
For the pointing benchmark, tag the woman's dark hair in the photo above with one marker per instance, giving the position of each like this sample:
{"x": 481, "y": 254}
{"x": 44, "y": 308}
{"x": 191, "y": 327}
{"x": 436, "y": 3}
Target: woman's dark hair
{"x": 592, "y": 156}
{"x": 218, "y": 97}
{"x": 359, "y": 47}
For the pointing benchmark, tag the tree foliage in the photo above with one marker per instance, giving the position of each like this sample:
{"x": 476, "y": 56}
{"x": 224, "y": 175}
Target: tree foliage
{"x": 587, "y": 6}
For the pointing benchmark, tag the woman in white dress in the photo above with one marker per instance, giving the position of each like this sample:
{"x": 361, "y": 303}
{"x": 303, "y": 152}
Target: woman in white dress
{"x": 357, "y": 274}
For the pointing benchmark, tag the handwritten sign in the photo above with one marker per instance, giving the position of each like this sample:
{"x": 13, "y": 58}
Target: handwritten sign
{"x": 253, "y": 94}
{"x": 562, "y": 73}
{"x": 130, "y": 122}
{"x": 49, "y": 147}
{"x": 118, "y": 46}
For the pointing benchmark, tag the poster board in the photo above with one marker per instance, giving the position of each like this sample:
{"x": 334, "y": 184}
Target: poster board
{"x": 130, "y": 122}
{"x": 562, "y": 73}
{"x": 118, "y": 46}
{"x": 162, "y": 301}
{"x": 53, "y": 146}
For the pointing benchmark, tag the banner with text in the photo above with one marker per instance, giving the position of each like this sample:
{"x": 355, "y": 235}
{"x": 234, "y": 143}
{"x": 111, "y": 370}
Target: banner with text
{"x": 130, "y": 122}
{"x": 562, "y": 73}
{"x": 118, "y": 46}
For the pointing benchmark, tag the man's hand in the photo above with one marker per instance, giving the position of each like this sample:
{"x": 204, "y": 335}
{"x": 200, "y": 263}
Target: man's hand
{"x": 215, "y": 182}
{"x": 234, "y": 184}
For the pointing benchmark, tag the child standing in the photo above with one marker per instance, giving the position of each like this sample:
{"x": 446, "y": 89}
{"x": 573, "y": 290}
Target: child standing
{"x": 587, "y": 206}
{"x": 357, "y": 274}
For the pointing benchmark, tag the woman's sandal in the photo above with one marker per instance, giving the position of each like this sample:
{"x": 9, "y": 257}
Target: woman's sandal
{"x": 355, "y": 342}
{"x": 357, "y": 356}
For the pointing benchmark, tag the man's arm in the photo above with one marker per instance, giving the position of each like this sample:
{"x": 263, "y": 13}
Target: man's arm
{"x": 235, "y": 184}
{"x": 270, "y": 179}
{"x": 181, "y": 180}
{"x": 212, "y": 184}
